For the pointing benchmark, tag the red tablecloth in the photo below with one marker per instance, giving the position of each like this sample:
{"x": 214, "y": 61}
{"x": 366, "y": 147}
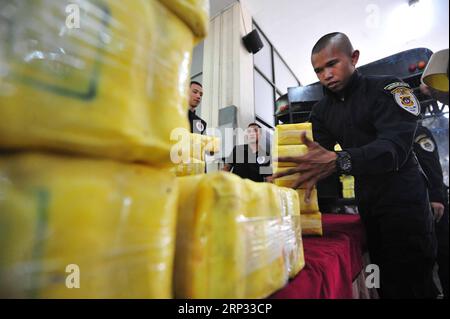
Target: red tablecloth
{"x": 332, "y": 261}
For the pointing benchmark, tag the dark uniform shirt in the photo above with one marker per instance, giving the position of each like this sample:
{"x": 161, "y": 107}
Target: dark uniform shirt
{"x": 427, "y": 153}
{"x": 368, "y": 123}
{"x": 249, "y": 165}
{"x": 198, "y": 125}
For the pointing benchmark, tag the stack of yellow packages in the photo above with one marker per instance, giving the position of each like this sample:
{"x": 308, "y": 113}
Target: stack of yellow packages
{"x": 235, "y": 238}
{"x": 189, "y": 153}
{"x": 348, "y": 186}
{"x": 86, "y": 88}
{"x": 288, "y": 143}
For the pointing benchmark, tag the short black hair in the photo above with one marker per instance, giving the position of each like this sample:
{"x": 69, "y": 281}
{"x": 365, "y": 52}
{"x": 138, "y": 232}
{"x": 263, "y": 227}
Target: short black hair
{"x": 338, "y": 38}
{"x": 195, "y": 82}
{"x": 254, "y": 124}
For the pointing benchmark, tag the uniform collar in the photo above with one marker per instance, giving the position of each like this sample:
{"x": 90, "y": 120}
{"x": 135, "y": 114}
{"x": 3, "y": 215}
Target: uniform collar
{"x": 347, "y": 91}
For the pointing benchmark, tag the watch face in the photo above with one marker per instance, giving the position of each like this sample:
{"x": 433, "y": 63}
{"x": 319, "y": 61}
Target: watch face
{"x": 347, "y": 165}
{"x": 344, "y": 162}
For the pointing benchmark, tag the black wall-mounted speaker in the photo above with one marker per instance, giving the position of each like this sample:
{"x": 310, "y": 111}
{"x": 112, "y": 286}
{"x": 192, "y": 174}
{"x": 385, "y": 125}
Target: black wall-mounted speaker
{"x": 252, "y": 42}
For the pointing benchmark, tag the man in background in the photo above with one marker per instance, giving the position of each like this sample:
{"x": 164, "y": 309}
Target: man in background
{"x": 249, "y": 160}
{"x": 197, "y": 124}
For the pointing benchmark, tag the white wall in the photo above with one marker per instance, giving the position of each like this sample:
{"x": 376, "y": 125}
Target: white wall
{"x": 378, "y": 28}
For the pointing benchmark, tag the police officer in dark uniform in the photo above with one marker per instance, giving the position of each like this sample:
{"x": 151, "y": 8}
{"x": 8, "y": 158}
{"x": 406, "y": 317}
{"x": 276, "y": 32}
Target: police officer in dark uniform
{"x": 374, "y": 119}
{"x": 195, "y": 98}
{"x": 427, "y": 153}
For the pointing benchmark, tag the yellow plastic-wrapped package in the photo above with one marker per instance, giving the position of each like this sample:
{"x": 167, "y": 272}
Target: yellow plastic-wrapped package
{"x": 289, "y": 151}
{"x": 210, "y": 250}
{"x": 194, "y": 146}
{"x": 348, "y": 186}
{"x": 312, "y": 206}
{"x": 229, "y": 238}
{"x": 293, "y": 243}
{"x": 111, "y": 224}
{"x": 195, "y": 13}
{"x": 267, "y": 264}
{"x": 114, "y": 87}
{"x": 192, "y": 167}
{"x": 289, "y": 134}
{"x": 212, "y": 144}
{"x": 188, "y": 247}
{"x": 285, "y": 181}
{"x": 312, "y": 224}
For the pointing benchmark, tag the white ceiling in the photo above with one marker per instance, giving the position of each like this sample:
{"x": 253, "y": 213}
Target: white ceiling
{"x": 378, "y": 28}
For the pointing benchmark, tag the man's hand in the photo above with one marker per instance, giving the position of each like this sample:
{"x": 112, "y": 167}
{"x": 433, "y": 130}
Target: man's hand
{"x": 438, "y": 210}
{"x": 317, "y": 164}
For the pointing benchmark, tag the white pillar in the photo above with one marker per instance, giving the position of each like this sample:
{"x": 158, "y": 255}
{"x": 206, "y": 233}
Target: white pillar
{"x": 228, "y": 67}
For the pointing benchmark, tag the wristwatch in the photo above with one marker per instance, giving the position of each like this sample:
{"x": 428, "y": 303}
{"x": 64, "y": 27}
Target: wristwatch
{"x": 343, "y": 163}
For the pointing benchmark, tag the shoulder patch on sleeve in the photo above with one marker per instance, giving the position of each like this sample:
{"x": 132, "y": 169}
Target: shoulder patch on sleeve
{"x": 404, "y": 97}
{"x": 421, "y": 136}
{"x": 427, "y": 144}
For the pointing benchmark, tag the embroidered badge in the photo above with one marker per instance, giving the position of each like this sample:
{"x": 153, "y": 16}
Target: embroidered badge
{"x": 199, "y": 125}
{"x": 427, "y": 144}
{"x": 404, "y": 97}
{"x": 261, "y": 160}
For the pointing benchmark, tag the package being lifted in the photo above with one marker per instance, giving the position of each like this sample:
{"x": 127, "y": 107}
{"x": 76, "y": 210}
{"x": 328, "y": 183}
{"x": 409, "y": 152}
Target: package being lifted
{"x": 285, "y": 181}
{"x": 289, "y": 143}
{"x": 103, "y": 226}
{"x": 96, "y": 77}
{"x": 232, "y": 240}
{"x": 289, "y": 151}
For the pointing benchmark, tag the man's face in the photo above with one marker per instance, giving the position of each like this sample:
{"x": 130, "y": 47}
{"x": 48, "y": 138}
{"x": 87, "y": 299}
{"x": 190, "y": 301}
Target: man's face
{"x": 195, "y": 95}
{"x": 334, "y": 67}
{"x": 253, "y": 133}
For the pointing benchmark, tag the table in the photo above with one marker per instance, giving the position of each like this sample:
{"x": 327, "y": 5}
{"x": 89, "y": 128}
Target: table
{"x": 333, "y": 261}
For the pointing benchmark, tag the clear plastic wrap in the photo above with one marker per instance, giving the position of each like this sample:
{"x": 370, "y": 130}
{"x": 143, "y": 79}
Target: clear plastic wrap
{"x": 231, "y": 238}
{"x": 266, "y": 267}
{"x": 114, "y": 87}
{"x": 312, "y": 224}
{"x": 291, "y": 229}
{"x": 114, "y": 221}
{"x": 289, "y": 134}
